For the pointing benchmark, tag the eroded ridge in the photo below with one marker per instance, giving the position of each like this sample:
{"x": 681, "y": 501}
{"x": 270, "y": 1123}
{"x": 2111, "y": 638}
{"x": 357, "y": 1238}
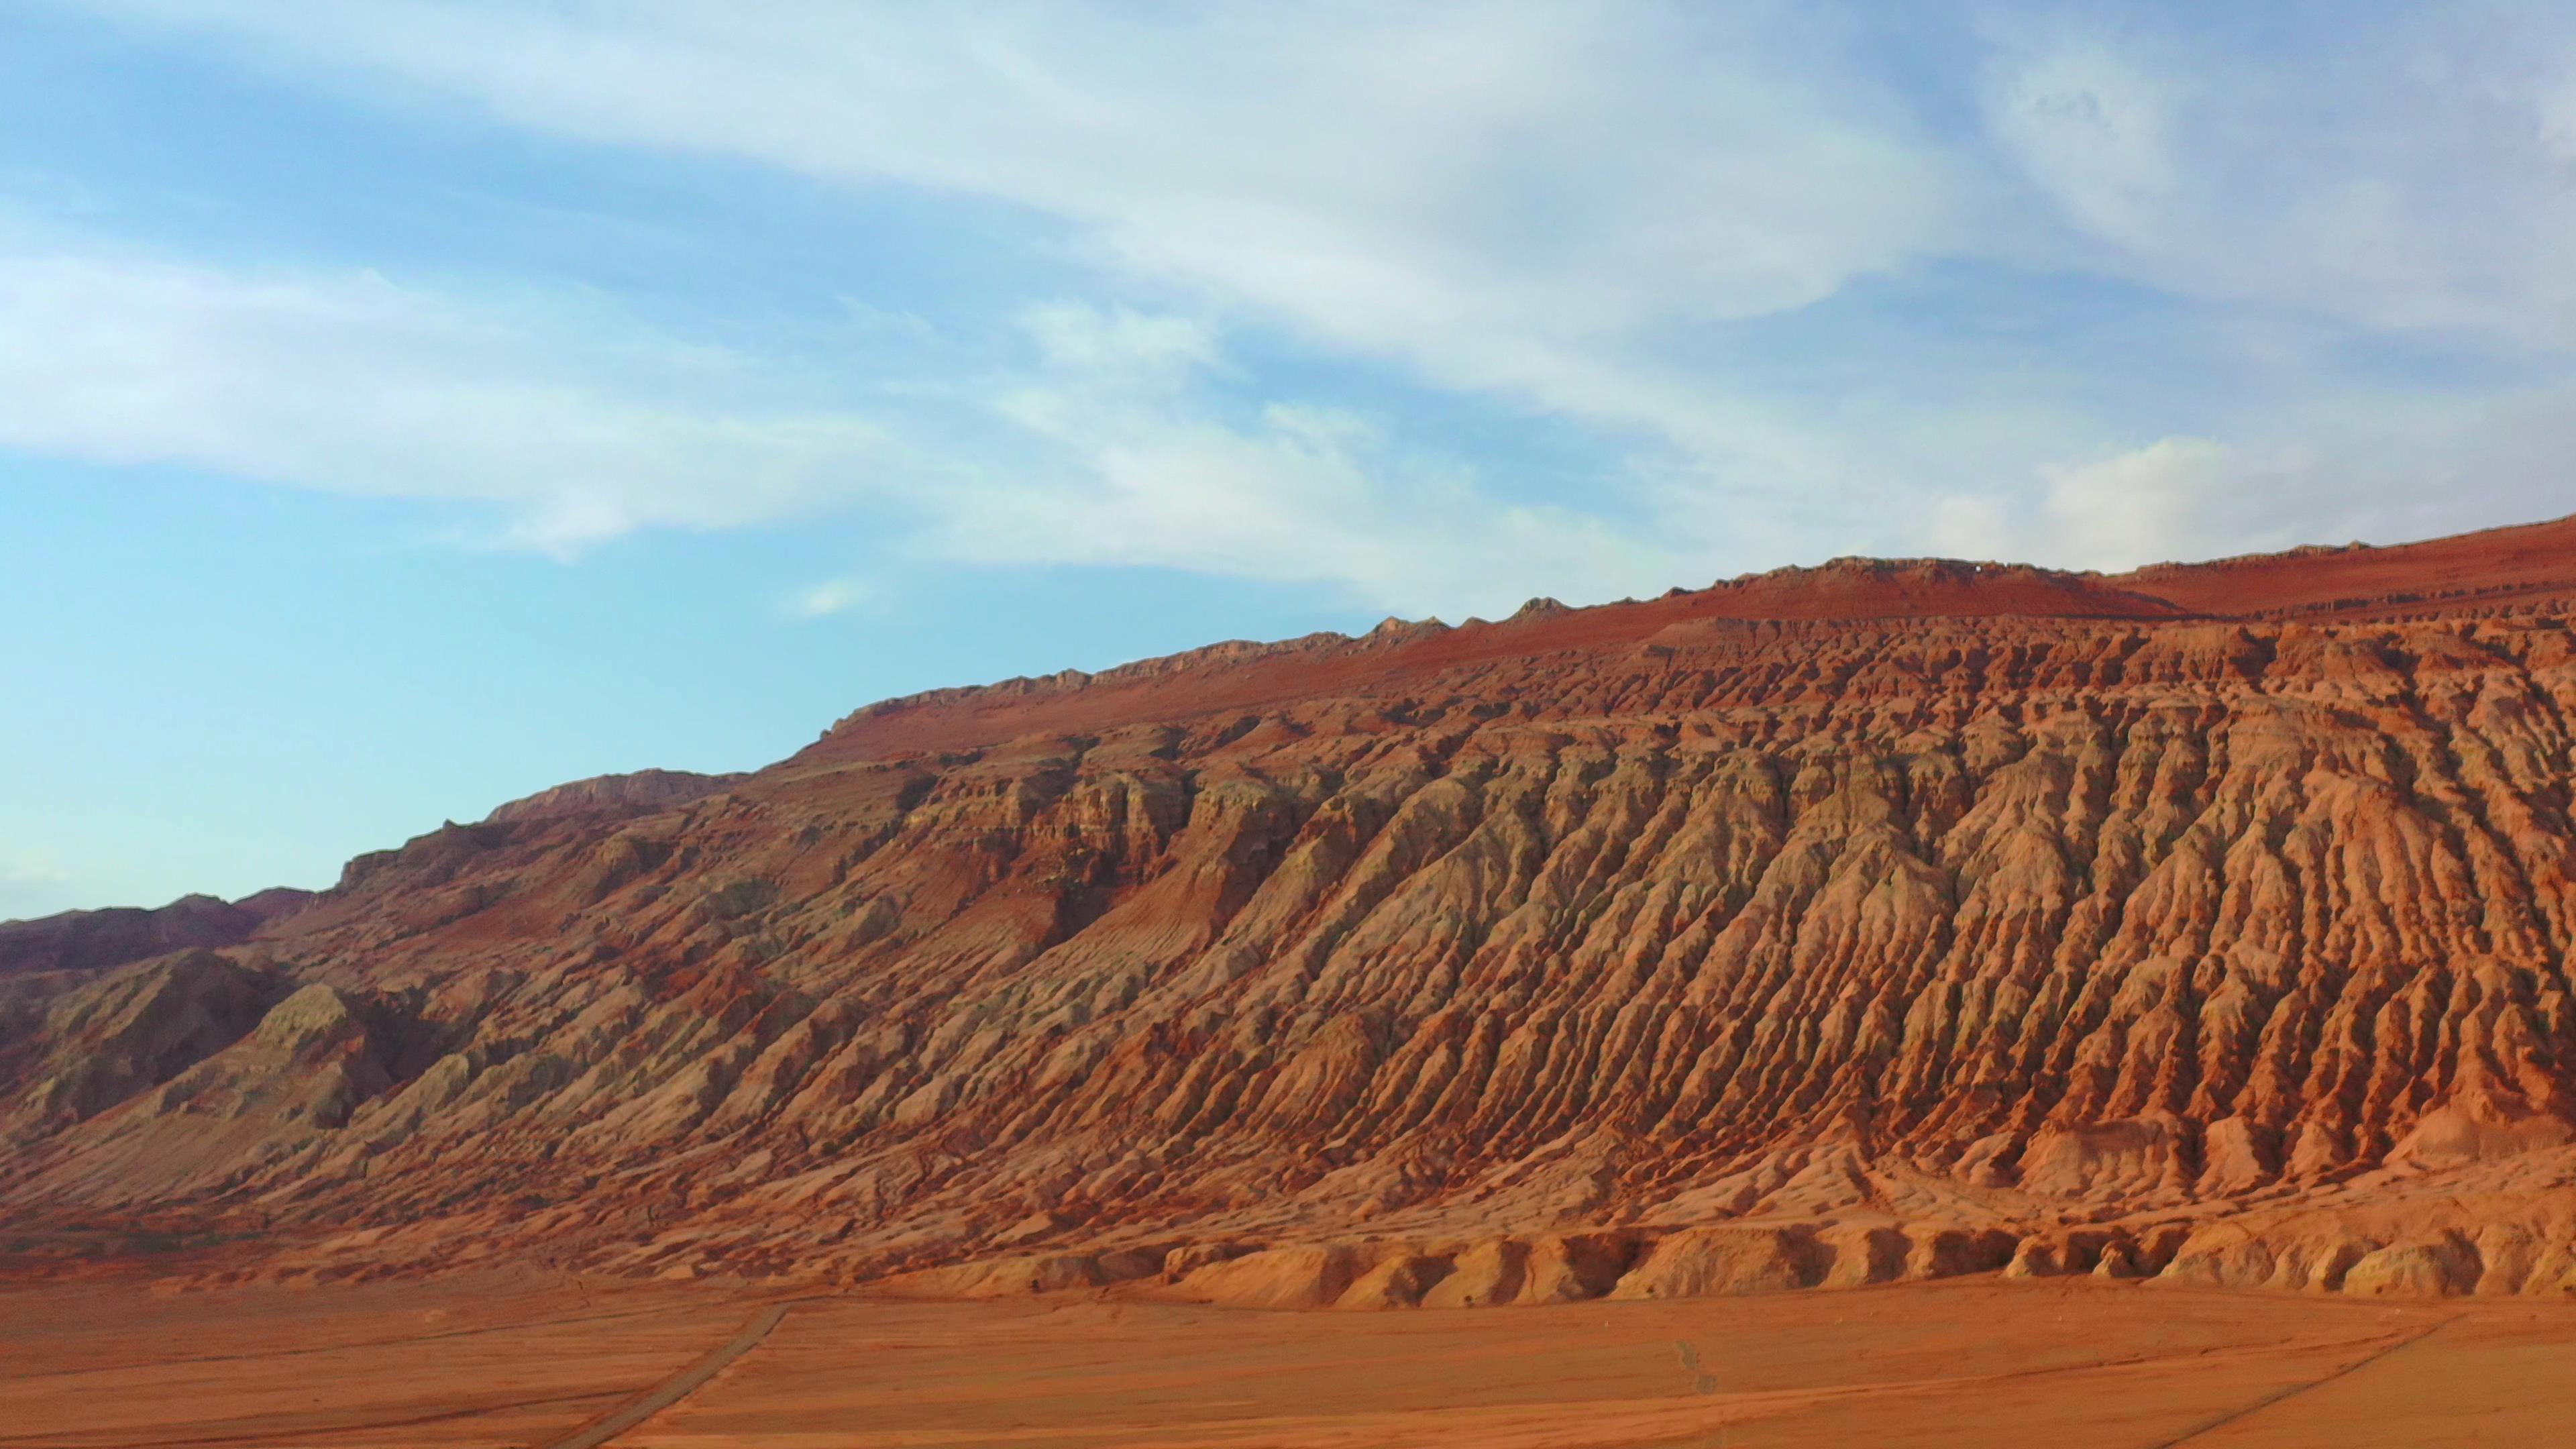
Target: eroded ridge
{"x": 2232, "y": 951}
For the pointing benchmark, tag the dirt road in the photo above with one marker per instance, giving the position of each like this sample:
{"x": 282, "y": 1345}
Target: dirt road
{"x": 677, "y": 1387}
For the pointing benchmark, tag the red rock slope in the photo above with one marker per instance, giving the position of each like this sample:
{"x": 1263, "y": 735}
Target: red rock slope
{"x": 92, "y": 940}
{"x": 1827, "y": 926}
{"x": 2498, "y": 568}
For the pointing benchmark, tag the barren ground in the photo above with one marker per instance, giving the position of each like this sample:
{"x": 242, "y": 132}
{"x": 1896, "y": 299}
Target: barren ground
{"x": 531, "y": 1358}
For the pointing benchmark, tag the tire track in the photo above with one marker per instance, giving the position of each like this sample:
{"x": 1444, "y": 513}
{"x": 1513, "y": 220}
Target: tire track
{"x": 2293, "y": 1391}
{"x": 675, "y": 1388}
{"x": 353, "y": 1345}
{"x": 1702, "y": 1382}
{"x": 273, "y": 1433}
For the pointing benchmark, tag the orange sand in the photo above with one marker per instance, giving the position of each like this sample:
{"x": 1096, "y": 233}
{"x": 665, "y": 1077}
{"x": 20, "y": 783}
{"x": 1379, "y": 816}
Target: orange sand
{"x": 527, "y": 1359}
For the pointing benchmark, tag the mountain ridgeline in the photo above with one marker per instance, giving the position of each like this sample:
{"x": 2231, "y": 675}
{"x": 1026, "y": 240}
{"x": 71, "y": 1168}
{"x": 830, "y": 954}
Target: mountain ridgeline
{"x": 1883, "y": 919}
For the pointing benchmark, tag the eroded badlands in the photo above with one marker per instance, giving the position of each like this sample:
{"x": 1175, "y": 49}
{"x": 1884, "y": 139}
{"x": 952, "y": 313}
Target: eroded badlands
{"x": 2203, "y": 928}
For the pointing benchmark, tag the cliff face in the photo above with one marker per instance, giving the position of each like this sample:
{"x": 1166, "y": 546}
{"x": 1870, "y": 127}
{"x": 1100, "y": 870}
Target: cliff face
{"x": 1987, "y": 916}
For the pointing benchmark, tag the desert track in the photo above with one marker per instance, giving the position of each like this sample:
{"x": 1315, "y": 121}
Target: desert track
{"x": 2293, "y": 1391}
{"x": 1966, "y": 1363}
{"x": 677, "y": 1387}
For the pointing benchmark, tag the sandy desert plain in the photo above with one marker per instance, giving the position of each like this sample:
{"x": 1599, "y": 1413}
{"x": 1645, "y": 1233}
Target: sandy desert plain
{"x": 1911, "y": 1002}
{"x": 543, "y": 1358}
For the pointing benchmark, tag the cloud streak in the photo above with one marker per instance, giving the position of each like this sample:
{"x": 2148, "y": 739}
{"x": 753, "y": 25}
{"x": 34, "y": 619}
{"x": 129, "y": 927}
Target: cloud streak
{"x": 1591, "y": 213}
{"x": 348, "y": 382}
{"x": 1508, "y": 197}
{"x": 1101, "y": 449}
{"x": 2405, "y": 176}
{"x": 1114, "y": 453}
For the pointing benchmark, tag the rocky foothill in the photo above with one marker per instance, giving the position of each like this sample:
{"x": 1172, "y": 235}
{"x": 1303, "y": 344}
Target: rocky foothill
{"x": 1879, "y": 921}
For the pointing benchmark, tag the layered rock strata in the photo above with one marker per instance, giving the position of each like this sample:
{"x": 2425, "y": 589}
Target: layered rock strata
{"x": 1988, "y": 920}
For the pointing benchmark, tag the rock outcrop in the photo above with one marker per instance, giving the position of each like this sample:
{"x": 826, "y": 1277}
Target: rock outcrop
{"x": 639, "y": 793}
{"x": 1845, "y": 926}
{"x": 96, "y": 940}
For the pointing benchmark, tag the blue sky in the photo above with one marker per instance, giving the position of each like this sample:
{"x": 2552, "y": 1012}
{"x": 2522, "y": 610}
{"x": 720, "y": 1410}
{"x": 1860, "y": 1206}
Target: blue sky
{"x": 409, "y": 404}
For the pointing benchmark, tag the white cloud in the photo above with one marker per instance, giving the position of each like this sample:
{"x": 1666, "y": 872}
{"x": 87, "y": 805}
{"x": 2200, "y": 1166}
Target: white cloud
{"x": 2393, "y": 466}
{"x": 2176, "y": 498}
{"x": 1082, "y": 337}
{"x": 2161, "y": 501}
{"x": 348, "y": 382}
{"x": 2093, "y": 129}
{"x": 848, "y": 595}
{"x": 1297, "y": 497}
{"x": 32, "y": 882}
{"x": 1295, "y": 493}
{"x": 1570, "y": 207}
{"x": 1504, "y": 195}
{"x": 1972, "y": 526}
{"x": 1111, "y": 453}
{"x": 2407, "y": 176}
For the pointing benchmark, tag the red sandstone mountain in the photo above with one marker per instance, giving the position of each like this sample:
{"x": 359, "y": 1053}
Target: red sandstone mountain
{"x": 92, "y": 940}
{"x": 2207, "y": 922}
{"x": 640, "y": 793}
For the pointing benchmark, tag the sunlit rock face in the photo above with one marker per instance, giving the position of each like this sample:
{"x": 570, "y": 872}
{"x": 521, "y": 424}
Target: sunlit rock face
{"x": 1837, "y": 926}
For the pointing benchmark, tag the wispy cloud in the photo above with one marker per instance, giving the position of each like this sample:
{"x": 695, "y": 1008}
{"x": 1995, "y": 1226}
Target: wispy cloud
{"x": 1102, "y": 447}
{"x": 834, "y": 597}
{"x": 31, "y": 882}
{"x": 1506, "y": 196}
{"x": 1119, "y": 341}
{"x": 349, "y": 382}
{"x": 1594, "y": 214}
{"x": 1295, "y": 493}
{"x": 1425, "y": 308}
{"x": 1110, "y": 448}
{"x": 2403, "y": 172}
